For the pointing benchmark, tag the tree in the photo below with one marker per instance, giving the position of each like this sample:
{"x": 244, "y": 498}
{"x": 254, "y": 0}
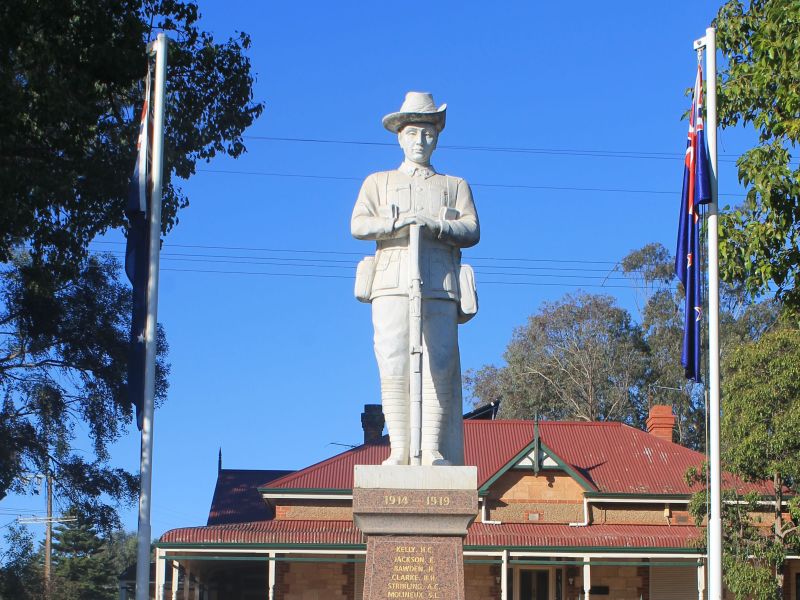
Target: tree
{"x": 87, "y": 564}
{"x": 63, "y": 354}
{"x": 760, "y": 240}
{"x": 84, "y": 569}
{"x": 20, "y": 567}
{"x": 761, "y": 428}
{"x": 122, "y": 549}
{"x": 656, "y": 373}
{"x": 760, "y": 434}
{"x": 578, "y": 358}
{"x": 652, "y": 269}
{"x": 751, "y": 559}
{"x": 70, "y": 79}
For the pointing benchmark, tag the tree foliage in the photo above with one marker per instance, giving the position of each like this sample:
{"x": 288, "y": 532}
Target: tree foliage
{"x": 760, "y": 240}
{"x": 71, "y": 82}
{"x": 652, "y": 270}
{"x": 86, "y": 564}
{"x": 578, "y": 358}
{"x": 70, "y": 79}
{"x": 83, "y": 566}
{"x": 760, "y": 433}
{"x": 20, "y": 567}
{"x": 547, "y": 362}
{"x": 63, "y": 357}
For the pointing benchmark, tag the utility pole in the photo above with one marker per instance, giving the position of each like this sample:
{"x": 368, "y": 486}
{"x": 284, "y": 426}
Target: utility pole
{"x": 48, "y": 521}
{"x": 48, "y": 533}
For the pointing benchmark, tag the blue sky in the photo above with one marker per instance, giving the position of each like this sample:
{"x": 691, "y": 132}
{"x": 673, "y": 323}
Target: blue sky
{"x": 585, "y": 97}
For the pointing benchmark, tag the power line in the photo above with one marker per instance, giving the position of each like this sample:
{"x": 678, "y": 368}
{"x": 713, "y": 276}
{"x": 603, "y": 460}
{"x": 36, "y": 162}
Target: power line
{"x": 487, "y": 185}
{"x": 512, "y": 271}
{"x": 346, "y": 264}
{"x": 483, "y": 268}
{"x": 512, "y": 274}
{"x": 250, "y": 248}
{"x": 478, "y": 269}
{"x": 230, "y": 272}
{"x": 307, "y": 251}
{"x": 502, "y": 149}
{"x": 311, "y": 262}
{"x": 350, "y": 277}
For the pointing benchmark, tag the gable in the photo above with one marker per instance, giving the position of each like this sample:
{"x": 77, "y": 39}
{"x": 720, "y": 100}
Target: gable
{"x": 524, "y": 496}
{"x": 236, "y": 498}
{"x": 536, "y": 456}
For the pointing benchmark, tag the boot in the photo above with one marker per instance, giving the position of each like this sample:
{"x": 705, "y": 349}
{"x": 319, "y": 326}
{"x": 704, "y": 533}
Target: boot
{"x": 394, "y": 397}
{"x": 433, "y": 421}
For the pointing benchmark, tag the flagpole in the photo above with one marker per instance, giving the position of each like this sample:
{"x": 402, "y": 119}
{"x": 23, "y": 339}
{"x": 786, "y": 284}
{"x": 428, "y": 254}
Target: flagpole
{"x": 146, "y": 464}
{"x": 715, "y": 476}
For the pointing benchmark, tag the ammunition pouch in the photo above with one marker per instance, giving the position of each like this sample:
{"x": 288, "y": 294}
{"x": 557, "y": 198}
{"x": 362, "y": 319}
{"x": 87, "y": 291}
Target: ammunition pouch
{"x": 365, "y": 274}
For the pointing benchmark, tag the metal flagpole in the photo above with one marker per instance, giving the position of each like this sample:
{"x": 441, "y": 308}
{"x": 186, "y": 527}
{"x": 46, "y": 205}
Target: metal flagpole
{"x": 715, "y": 477}
{"x": 415, "y": 345}
{"x": 146, "y": 464}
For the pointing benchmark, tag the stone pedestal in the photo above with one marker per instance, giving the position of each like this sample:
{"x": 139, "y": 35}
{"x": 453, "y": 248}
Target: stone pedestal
{"x": 415, "y": 520}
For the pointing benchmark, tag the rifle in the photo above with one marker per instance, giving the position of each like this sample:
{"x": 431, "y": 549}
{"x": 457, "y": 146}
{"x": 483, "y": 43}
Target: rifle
{"x": 415, "y": 344}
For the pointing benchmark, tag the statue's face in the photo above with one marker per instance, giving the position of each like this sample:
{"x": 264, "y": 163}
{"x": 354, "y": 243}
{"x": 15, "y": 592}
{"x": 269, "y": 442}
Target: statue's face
{"x": 418, "y": 141}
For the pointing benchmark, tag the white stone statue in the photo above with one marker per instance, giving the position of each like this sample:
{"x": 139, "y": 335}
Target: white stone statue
{"x": 440, "y": 211}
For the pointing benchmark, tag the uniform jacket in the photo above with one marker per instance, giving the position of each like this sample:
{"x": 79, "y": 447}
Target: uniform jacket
{"x": 415, "y": 190}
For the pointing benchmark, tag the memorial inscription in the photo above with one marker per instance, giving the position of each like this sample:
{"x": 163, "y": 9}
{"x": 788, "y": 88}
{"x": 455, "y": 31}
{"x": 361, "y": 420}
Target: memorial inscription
{"x": 422, "y": 568}
{"x": 432, "y": 501}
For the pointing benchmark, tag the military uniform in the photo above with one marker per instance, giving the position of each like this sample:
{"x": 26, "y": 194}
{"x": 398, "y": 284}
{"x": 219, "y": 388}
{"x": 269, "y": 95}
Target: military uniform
{"x": 384, "y": 200}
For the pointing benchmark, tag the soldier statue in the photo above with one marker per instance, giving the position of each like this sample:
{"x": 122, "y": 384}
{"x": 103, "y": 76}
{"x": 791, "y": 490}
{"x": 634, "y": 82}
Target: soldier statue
{"x": 440, "y": 209}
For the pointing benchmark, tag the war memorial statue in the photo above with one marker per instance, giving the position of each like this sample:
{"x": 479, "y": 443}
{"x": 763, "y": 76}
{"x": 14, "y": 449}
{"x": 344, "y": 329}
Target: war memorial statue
{"x": 415, "y": 508}
{"x": 418, "y": 288}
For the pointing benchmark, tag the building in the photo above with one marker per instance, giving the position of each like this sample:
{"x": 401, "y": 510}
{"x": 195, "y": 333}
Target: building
{"x": 568, "y": 510}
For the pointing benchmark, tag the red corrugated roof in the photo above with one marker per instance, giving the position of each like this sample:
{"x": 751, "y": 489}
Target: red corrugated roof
{"x": 335, "y": 473}
{"x": 540, "y": 535}
{"x": 487, "y": 446}
{"x": 236, "y": 498}
{"x": 269, "y": 532}
{"x": 620, "y": 459}
{"x": 490, "y": 445}
{"x": 528, "y": 535}
{"x": 610, "y": 457}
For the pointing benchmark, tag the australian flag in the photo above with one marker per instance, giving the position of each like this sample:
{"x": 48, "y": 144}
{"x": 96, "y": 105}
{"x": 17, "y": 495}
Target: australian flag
{"x": 137, "y": 254}
{"x": 696, "y": 191}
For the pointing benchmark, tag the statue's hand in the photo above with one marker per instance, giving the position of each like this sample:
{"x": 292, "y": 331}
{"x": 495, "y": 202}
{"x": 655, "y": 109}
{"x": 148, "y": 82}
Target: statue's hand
{"x": 406, "y": 221}
{"x": 432, "y": 224}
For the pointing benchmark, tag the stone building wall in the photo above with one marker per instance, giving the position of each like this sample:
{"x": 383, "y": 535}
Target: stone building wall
{"x": 314, "y": 510}
{"x": 480, "y": 582}
{"x": 546, "y": 497}
{"x": 315, "y": 581}
{"x": 623, "y": 582}
{"x": 629, "y": 514}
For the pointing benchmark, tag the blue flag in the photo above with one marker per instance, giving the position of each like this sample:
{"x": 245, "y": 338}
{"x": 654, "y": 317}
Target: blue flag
{"x": 137, "y": 255}
{"x": 696, "y": 191}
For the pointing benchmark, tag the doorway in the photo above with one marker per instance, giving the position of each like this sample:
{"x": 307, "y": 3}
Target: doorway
{"x": 534, "y": 584}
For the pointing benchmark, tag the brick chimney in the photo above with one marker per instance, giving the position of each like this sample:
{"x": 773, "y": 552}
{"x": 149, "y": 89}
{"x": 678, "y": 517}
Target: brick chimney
{"x": 661, "y": 421}
{"x": 372, "y": 421}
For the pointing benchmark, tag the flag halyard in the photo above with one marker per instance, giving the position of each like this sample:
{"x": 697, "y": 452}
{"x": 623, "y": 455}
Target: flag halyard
{"x": 696, "y": 191}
